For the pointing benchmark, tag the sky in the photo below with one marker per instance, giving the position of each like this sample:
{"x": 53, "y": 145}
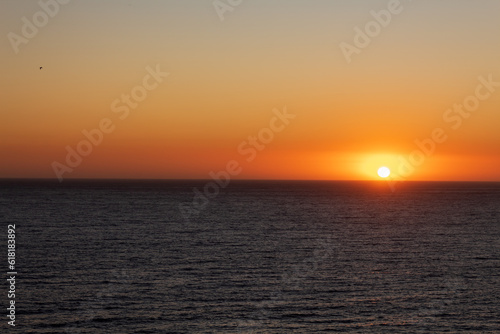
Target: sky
{"x": 296, "y": 89}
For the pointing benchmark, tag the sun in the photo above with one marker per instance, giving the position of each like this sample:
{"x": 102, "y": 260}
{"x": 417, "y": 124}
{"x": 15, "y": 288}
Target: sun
{"x": 383, "y": 172}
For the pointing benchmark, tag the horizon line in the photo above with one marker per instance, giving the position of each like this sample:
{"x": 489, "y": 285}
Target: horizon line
{"x": 231, "y": 180}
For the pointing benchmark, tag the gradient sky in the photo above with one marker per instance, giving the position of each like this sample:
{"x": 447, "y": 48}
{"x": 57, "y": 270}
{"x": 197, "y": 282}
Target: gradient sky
{"x": 226, "y": 77}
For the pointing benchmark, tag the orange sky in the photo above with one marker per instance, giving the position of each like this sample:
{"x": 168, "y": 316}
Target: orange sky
{"x": 226, "y": 78}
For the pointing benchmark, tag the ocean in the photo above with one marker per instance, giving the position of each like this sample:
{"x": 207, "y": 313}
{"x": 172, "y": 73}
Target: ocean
{"x": 257, "y": 257}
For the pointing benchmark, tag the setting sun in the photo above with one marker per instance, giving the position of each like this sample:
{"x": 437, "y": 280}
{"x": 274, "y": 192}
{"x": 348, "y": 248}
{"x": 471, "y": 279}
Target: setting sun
{"x": 384, "y": 172}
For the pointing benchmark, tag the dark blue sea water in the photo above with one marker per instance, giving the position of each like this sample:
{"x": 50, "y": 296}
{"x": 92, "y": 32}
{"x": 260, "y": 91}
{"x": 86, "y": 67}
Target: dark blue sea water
{"x": 259, "y": 257}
